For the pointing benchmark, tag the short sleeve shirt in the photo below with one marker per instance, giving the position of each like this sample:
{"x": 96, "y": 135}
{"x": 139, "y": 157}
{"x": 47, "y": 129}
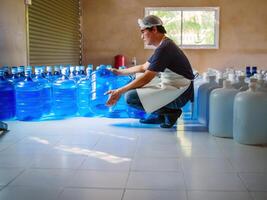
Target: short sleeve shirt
{"x": 169, "y": 55}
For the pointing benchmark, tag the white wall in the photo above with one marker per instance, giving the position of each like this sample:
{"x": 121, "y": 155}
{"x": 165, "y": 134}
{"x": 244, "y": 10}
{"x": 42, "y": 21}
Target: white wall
{"x": 12, "y": 33}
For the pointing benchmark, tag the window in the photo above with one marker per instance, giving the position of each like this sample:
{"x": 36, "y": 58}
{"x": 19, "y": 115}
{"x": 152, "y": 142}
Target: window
{"x": 190, "y": 28}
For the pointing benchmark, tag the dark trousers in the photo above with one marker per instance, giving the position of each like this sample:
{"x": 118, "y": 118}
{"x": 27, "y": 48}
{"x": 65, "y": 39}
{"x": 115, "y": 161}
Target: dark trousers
{"x": 132, "y": 99}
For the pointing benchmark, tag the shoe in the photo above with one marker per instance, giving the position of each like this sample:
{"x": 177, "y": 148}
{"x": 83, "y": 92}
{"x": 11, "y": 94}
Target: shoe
{"x": 152, "y": 119}
{"x": 170, "y": 119}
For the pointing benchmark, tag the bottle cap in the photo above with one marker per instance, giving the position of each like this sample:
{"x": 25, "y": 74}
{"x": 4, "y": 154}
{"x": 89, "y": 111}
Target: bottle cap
{"x": 227, "y": 84}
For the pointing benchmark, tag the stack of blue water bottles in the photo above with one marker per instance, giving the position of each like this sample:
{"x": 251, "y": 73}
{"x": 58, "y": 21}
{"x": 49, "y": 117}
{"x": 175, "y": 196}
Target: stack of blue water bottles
{"x": 29, "y": 98}
{"x": 64, "y": 96}
{"x": 83, "y": 89}
{"x": 7, "y": 100}
{"x": 59, "y": 92}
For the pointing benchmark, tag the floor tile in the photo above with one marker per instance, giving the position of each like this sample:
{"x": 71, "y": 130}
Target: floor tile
{"x": 259, "y": 195}
{"x": 236, "y": 150}
{"x": 156, "y": 164}
{"x": 99, "y": 179}
{"x": 69, "y": 150}
{"x": 92, "y": 194}
{"x": 202, "y": 151}
{"x": 249, "y": 164}
{"x": 255, "y": 181}
{"x": 107, "y": 162}
{"x": 123, "y": 150}
{"x": 106, "y": 158}
{"x": 154, "y": 195}
{"x": 45, "y": 178}
{"x": 219, "y": 181}
{"x": 16, "y": 160}
{"x": 7, "y": 175}
{"x": 206, "y": 164}
{"x": 28, "y": 193}
{"x": 158, "y": 150}
{"x": 89, "y": 140}
{"x": 58, "y": 161}
{"x": 40, "y": 139}
{"x": 157, "y": 139}
{"x": 208, "y": 195}
{"x": 156, "y": 180}
{"x": 26, "y": 149}
{"x": 193, "y": 139}
{"x": 3, "y": 146}
{"x": 11, "y": 137}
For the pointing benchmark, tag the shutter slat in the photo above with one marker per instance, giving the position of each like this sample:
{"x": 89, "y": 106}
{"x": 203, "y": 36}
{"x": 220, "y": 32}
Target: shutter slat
{"x": 54, "y": 32}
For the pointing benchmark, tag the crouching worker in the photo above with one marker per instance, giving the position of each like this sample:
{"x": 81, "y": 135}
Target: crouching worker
{"x": 164, "y": 98}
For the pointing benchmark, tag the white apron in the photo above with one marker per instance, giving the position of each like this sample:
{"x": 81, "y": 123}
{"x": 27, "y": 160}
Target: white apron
{"x": 162, "y": 90}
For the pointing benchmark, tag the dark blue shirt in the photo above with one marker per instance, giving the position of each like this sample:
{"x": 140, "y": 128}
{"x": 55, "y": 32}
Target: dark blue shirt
{"x": 169, "y": 55}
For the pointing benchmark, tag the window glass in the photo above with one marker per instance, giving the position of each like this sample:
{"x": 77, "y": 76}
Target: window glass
{"x": 190, "y": 27}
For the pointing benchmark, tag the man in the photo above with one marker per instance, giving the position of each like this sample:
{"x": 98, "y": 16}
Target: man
{"x": 163, "y": 98}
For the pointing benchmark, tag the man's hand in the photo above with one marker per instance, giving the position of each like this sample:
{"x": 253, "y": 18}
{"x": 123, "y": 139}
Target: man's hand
{"x": 114, "y": 97}
{"x": 116, "y": 71}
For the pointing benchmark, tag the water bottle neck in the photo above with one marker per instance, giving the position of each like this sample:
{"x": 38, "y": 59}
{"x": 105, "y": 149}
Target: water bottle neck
{"x": 28, "y": 75}
{"x": 49, "y": 74}
{"x": 64, "y": 77}
{"x": 2, "y": 78}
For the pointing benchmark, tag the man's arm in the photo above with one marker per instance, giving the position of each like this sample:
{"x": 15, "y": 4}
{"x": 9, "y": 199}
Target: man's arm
{"x": 137, "y": 83}
{"x": 131, "y": 70}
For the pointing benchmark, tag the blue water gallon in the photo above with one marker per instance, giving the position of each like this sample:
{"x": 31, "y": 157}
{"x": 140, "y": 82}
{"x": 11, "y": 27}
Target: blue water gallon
{"x": 49, "y": 73}
{"x": 203, "y": 99}
{"x": 136, "y": 113}
{"x": 46, "y": 92}
{"x": 64, "y": 96}
{"x": 187, "y": 111}
{"x": 221, "y": 110}
{"x": 250, "y": 111}
{"x": 254, "y": 70}
{"x": 248, "y": 71}
{"x": 78, "y": 73}
{"x": 83, "y": 89}
{"x": 14, "y": 78}
{"x": 199, "y": 80}
{"x": 120, "y": 109}
{"x": 7, "y": 98}
{"x": 101, "y": 82}
{"x": 240, "y": 85}
{"x": 21, "y": 73}
{"x": 57, "y": 73}
{"x": 82, "y": 72}
{"x": 29, "y": 105}
{"x": 72, "y": 74}
{"x": 6, "y": 72}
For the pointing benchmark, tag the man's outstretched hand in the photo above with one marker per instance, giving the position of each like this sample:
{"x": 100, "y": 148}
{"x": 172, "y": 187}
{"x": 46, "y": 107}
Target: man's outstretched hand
{"x": 113, "y": 98}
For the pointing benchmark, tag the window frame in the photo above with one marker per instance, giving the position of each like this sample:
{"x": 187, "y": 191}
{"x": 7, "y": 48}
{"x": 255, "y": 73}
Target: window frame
{"x": 216, "y": 24}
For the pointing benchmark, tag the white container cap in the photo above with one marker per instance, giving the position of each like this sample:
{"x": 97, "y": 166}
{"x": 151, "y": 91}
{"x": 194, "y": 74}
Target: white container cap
{"x": 72, "y": 68}
{"x": 252, "y": 86}
{"x": 227, "y": 84}
{"x": 64, "y": 70}
{"x": 49, "y": 68}
{"x": 253, "y": 80}
{"x": 231, "y": 77}
{"x": 82, "y": 67}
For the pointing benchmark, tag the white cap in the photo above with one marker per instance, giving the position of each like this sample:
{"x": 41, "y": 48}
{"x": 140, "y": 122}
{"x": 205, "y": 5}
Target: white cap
{"x": 149, "y": 21}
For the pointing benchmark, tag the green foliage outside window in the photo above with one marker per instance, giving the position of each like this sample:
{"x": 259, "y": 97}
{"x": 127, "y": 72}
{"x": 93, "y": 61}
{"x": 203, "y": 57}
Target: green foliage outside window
{"x": 188, "y": 27}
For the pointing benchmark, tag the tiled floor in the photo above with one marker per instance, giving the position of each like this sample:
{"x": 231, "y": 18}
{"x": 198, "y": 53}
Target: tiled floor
{"x": 120, "y": 159}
